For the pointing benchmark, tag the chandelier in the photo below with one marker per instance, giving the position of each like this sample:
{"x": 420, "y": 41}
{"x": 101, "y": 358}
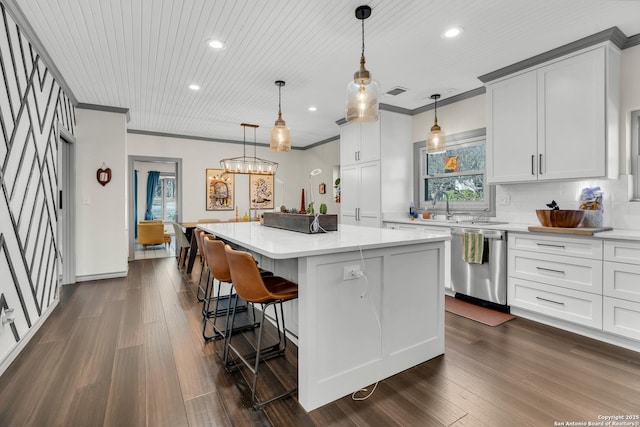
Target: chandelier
{"x": 248, "y": 165}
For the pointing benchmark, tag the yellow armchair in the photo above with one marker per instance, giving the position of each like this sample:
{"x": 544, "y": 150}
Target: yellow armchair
{"x": 151, "y": 232}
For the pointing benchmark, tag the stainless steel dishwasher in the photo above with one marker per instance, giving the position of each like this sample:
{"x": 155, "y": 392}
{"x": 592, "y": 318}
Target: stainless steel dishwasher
{"x": 486, "y": 281}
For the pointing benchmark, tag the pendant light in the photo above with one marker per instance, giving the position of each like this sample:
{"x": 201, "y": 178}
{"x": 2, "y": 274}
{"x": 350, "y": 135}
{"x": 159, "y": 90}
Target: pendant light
{"x": 362, "y": 91}
{"x": 280, "y": 136}
{"x": 436, "y": 138}
{"x": 248, "y": 165}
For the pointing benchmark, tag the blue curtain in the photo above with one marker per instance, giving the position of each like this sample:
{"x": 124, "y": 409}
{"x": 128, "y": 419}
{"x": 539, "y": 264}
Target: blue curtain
{"x": 135, "y": 202}
{"x": 152, "y": 183}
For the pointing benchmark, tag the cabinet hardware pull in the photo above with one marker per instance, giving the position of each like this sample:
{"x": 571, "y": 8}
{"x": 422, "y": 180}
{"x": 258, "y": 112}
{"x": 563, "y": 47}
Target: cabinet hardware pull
{"x": 551, "y": 301}
{"x": 540, "y": 165}
{"x": 551, "y": 270}
{"x": 533, "y": 162}
{"x": 550, "y": 245}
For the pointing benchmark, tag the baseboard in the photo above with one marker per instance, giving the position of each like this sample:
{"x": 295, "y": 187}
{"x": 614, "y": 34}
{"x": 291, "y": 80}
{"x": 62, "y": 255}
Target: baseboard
{"x": 596, "y": 334}
{"x": 4, "y": 364}
{"x": 90, "y": 277}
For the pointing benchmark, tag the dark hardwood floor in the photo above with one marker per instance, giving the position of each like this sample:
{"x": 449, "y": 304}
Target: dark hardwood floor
{"x": 129, "y": 352}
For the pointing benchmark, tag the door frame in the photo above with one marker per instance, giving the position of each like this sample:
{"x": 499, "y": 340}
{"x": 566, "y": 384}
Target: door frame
{"x": 150, "y": 159}
{"x": 66, "y": 224}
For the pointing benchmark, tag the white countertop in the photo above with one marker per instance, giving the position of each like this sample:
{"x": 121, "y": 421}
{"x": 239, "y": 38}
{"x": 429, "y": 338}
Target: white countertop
{"x": 282, "y": 244}
{"x": 615, "y": 234}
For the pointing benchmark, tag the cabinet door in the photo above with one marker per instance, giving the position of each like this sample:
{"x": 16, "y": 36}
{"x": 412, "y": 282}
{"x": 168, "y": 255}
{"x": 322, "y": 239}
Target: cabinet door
{"x": 571, "y": 117}
{"x": 349, "y": 143}
{"x": 369, "y": 214}
{"x": 511, "y": 129}
{"x": 349, "y": 194}
{"x": 369, "y": 141}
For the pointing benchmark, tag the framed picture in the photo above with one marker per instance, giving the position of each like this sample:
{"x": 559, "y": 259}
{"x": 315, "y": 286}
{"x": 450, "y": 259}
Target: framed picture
{"x": 261, "y": 192}
{"x": 323, "y": 188}
{"x": 220, "y": 186}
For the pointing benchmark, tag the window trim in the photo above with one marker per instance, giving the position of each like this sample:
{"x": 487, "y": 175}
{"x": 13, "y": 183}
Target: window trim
{"x": 458, "y": 140}
{"x": 635, "y": 153}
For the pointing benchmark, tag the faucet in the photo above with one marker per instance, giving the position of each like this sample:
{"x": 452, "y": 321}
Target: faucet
{"x": 438, "y": 196}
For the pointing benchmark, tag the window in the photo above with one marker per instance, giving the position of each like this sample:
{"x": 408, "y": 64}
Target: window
{"x": 164, "y": 199}
{"x": 458, "y": 173}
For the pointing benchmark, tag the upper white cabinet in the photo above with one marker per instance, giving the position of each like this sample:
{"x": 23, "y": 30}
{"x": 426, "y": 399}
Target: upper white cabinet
{"x": 374, "y": 166}
{"x": 359, "y": 142}
{"x": 557, "y": 120}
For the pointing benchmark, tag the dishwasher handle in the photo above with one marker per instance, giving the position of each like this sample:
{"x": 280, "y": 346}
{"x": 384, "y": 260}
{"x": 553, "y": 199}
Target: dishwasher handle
{"x": 487, "y": 234}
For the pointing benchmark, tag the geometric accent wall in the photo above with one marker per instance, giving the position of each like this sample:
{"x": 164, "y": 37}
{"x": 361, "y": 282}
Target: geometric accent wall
{"x": 32, "y": 106}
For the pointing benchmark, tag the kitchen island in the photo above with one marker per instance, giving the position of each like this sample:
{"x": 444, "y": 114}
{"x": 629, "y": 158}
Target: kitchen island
{"x": 371, "y": 300}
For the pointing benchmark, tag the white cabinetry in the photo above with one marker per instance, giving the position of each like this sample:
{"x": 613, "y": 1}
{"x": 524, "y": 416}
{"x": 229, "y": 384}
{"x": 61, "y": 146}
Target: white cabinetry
{"x": 622, "y": 288}
{"x": 559, "y": 277}
{"x": 360, "y": 194}
{"x": 361, "y": 164}
{"x": 555, "y": 121}
{"x": 360, "y": 142}
{"x": 431, "y": 229}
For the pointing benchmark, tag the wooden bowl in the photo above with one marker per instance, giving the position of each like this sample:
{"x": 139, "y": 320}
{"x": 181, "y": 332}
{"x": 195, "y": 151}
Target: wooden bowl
{"x": 559, "y": 218}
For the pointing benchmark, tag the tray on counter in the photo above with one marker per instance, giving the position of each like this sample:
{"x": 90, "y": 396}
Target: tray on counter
{"x": 584, "y": 231}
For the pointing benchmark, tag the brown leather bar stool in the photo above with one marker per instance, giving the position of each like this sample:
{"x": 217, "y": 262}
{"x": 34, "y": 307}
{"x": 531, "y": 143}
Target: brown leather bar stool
{"x": 219, "y": 270}
{"x": 199, "y": 236}
{"x": 266, "y": 291}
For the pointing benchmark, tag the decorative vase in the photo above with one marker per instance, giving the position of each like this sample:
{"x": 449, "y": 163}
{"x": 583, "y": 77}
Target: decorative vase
{"x": 302, "y": 209}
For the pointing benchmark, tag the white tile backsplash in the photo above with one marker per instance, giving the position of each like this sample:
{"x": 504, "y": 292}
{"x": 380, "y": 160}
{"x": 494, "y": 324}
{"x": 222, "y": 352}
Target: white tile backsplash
{"x": 619, "y": 212}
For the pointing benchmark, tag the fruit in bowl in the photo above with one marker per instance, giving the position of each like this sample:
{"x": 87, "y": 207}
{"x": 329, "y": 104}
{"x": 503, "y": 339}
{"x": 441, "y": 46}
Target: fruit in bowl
{"x": 559, "y": 217}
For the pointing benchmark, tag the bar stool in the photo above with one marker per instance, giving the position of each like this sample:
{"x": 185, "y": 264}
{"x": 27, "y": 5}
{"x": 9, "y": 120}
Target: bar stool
{"x": 199, "y": 236}
{"x": 266, "y": 291}
{"x": 219, "y": 270}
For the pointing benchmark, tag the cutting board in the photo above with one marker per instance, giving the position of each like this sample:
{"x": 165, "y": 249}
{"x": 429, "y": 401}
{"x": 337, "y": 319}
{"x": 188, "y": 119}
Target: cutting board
{"x": 584, "y": 231}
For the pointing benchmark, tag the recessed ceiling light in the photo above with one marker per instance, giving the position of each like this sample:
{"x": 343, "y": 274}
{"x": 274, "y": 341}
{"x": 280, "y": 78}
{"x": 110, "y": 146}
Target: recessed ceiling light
{"x": 194, "y": 87}
{"x": 216, "y": 44}
{"x": 452, "y": 33}
{"x": 312, "y": 108}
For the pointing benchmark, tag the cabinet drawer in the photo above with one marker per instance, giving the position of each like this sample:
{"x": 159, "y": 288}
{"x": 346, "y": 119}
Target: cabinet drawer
{"x": 565, "y": 304}
{"x": 628, "y": 252}
{"x": 621, "y": 317}
{"x": 621, "y": 281}
{"x": 573, "y": 246}
{"x": 580, "y": 274}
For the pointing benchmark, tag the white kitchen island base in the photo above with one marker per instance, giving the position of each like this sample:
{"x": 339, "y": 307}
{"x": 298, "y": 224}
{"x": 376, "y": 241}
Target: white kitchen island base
{"x": 354, "y": 328}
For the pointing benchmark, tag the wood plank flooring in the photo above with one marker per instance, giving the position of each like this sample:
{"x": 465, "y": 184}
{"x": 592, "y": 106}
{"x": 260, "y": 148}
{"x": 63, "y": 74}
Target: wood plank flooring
{"x": 129, "y": 352}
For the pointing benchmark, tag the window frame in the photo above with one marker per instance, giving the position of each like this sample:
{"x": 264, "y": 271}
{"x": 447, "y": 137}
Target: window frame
{"x": 459, "y": 140}
{"x": 635, "y": 153}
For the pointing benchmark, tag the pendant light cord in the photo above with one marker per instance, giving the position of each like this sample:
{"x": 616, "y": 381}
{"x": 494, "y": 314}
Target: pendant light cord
{"x": 279, "y": 101}
{"x": 362, "y": 36}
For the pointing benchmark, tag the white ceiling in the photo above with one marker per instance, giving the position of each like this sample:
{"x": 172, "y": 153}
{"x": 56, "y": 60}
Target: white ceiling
{"x": 142, "y": 54}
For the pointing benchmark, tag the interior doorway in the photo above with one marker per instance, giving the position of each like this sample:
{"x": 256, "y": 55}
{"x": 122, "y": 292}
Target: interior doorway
{"x": 66, "y": 207}
{"x": 170, "y": 210}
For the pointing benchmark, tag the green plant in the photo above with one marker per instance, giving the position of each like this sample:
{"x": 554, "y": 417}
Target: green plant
{"x": 310, "y": 209}
{"x": 323, "y": 208}
{"x": 283, "y": 209}
{"x": 293, "y": 210}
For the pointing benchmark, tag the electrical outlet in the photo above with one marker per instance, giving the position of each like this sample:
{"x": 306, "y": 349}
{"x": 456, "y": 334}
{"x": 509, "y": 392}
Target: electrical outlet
{"x": 351, "y": 272}
{"x": 504, "y": 200}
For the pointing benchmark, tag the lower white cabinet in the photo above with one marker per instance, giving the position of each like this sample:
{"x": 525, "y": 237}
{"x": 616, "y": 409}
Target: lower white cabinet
{"x": 621, "y": 288}
{"x": 566, "y": 304}
{"x": 557, "y": 276}
{"x": 621, "y": 317}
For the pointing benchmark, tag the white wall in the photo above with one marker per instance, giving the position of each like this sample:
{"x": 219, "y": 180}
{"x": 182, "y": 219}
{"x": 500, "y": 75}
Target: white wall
{"x": 101, "y": 229}
{"x": 197, "y": 156}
